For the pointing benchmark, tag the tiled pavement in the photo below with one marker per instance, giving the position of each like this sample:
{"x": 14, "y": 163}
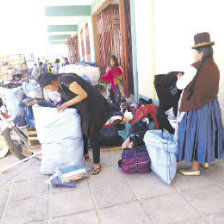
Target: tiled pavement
{"x": 111, "y": 197}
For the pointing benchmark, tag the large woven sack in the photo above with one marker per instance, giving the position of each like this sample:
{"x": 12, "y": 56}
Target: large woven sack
{"x": 162, "y": 149}
{"x": 61, "y": 138}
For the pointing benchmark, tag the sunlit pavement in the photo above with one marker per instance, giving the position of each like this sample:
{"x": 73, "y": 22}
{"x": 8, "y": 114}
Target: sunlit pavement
{"x": 111, "y": 197}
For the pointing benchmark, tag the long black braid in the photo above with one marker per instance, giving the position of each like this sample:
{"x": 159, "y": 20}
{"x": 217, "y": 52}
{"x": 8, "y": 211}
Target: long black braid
{"x": 207, "y": 53}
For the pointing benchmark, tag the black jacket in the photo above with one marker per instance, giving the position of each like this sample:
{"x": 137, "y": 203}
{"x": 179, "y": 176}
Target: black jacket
{"x": 165, "y": 85}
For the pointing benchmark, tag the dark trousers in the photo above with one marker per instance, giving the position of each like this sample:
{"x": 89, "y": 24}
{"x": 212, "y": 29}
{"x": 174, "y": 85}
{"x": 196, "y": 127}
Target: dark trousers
{"x": 162, "y": 118}
{"x": 114, "y": 97}
{"x": 95, "y": 145}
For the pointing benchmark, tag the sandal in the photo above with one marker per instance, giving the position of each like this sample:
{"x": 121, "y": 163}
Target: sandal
{"x": 96, "y": 169}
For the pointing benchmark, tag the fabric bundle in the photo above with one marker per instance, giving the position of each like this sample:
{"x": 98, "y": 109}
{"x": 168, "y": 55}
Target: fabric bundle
{"x": 61, "y": 138}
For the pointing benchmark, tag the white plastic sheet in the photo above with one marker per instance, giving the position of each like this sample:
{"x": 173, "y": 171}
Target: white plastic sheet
{"x": 162, "y": 149}
{"x": 61, "y": 137}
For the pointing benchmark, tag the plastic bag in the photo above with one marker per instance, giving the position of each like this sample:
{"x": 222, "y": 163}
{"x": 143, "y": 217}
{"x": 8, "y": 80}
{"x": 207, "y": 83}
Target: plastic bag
{"x": 162, "y": 149}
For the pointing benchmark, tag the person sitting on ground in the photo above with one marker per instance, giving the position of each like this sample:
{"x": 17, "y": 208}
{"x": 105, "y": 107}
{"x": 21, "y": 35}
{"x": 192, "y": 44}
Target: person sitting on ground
{"x": 136, "y": 135}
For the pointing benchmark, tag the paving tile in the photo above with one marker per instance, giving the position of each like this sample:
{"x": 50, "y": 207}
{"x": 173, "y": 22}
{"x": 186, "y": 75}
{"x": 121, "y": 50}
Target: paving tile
{"x": 31, "y": 173}
{"x": 195, "y": 221}
{"x": 208, "y": 200}
{"x": 81, "y": 218}
{"x": 170, "y": 209}
{"x": 108, "y": 174}
{"x": 216, "y": 219}
{"x": 28, "y": 189}
{"x": 184, "y": 183}
{"x": 30, "y": 210}
{"x": 10, "y": 174}
{"x": 106, "y": 157}
{"x": 8, "y": 160}
{"x": 2, "y": 206}
{"x": 215, "y": 172}
{"x": 4, "y": 191}
{"x": 149, "y": 185}
{"x": 112, "y": 194}
{"x": 116, "y": 155}
{"x": 39, "y": 222}
{"x": 130, "y": 213}
{"x": 70, "y": 202}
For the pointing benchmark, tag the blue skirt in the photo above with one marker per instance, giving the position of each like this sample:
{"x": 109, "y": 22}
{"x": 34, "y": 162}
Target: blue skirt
{"x": 200, "y": 134}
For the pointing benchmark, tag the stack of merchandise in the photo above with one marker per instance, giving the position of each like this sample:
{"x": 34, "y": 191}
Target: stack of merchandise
{"x": 68, "y": 177}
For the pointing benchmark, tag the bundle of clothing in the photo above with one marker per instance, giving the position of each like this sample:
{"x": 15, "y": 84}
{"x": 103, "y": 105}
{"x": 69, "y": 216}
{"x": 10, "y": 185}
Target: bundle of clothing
{"x": 123, "y": 117}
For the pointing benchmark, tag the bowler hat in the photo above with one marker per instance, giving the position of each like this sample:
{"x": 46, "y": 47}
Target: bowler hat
{"x": 202, "y": 40}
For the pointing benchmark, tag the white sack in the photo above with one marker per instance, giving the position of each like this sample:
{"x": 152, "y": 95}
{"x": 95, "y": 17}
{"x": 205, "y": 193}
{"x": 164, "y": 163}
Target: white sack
{"x": 93, "y": 73}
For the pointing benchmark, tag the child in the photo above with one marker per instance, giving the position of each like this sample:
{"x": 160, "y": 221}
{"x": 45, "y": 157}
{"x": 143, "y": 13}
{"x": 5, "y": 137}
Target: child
{"x": 113, "y": 78}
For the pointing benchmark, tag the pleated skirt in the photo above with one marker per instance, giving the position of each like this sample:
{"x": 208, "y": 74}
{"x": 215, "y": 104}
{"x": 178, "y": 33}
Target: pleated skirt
{"x": 200, "y": 134}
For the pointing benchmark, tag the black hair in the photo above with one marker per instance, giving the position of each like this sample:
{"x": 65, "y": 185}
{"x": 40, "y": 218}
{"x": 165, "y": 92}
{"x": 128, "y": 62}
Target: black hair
{"x": 207, "y": 54}
{"x": 57, "y": 60}
{"x": 46, "y": 79}
{"x": 113, "y": 57}
{"x": 66, "y": 59}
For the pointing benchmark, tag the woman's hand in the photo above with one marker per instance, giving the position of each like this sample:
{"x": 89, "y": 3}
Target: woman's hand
{"x": 108, "y": 67}
{"x": 62, "y": 107}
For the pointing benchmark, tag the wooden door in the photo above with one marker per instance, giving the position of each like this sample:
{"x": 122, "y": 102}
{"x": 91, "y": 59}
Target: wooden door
{"x": 76, "y": 48}
{"x": 73, "y": 48}
{"x": 108, "y": 29}
{"x": 88, "y": 49}
{"x": 126, "y": 40}
{"x": 82, "y": 45}
{"x": 114, "y": 37}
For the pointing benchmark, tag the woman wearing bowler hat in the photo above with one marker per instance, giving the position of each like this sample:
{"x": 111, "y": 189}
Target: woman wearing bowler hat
{"x": 200, "y": 130}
